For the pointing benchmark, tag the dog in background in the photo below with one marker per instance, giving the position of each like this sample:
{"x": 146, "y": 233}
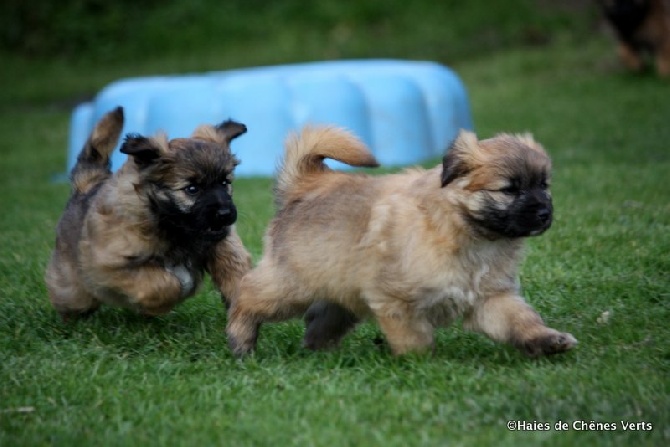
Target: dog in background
{"x": 143, "y": 238}
{"x": 643, "y": 29}
{"x": 415, "y": 250}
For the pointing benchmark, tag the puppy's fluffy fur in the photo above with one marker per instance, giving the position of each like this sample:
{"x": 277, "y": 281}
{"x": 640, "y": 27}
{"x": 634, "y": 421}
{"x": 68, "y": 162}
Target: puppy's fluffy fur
{"x": 143, "y": 237}
{"x": 643, "y": 29}
{"x": 415, "y": 250}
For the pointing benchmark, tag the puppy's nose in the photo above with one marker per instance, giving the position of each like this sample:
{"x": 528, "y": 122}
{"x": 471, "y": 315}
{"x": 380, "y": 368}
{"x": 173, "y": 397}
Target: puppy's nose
{"x": 225, "y": 216}
{"x": 544, "y": 214}
{"x": 222, "y": 213}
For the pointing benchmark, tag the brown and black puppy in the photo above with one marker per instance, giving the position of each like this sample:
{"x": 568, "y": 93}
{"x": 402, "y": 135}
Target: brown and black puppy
{"x": 415, "y": 250}
{"x": 643, "y": 30}
{"x": 143, "y": 238}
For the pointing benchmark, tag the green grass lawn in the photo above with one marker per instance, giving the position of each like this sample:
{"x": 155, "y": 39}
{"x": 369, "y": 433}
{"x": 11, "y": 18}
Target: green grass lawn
{"x": 118, "y": 379}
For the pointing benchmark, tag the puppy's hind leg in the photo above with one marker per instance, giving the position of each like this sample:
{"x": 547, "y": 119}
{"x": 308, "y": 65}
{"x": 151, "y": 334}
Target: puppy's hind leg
{"x": 663, "y": 58}
{"x": 67, "y": 296}
{"x": 326, "y": 324}
{"x": 263, "y": 297}
{"x": 630, "y": 58}
{"x": 508, "y": 318}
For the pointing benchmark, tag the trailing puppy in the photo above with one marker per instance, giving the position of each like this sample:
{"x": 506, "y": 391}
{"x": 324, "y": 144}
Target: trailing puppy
{"x": 414, "y": 250}
{"x": 143, "y": 238}
{"x": 643, "y": 31}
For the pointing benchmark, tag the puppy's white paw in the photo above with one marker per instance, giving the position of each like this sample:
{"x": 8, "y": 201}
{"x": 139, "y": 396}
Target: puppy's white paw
{"x": 185, "y": 278}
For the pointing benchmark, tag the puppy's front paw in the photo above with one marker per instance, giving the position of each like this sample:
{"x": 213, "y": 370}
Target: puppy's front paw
{"x": 240, "y": 348}
{"x": 242, "y": 338}
{"x": 553, "y": 342}
{"x": 186, "y": 281}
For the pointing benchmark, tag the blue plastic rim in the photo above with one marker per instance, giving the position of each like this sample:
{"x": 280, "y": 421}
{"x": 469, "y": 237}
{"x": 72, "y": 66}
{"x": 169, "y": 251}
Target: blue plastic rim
{"x": 406, "y": 111}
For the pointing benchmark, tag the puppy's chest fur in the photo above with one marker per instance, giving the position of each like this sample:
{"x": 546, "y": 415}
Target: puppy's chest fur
{"x": 435, "y": 264}
{"x": 192, "y": 253}
{"x": 464, "y": 280}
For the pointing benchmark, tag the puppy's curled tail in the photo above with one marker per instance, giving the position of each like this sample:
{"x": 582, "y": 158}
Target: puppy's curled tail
{"x": 93, "y": 165}
{"x": 304, "y": 154}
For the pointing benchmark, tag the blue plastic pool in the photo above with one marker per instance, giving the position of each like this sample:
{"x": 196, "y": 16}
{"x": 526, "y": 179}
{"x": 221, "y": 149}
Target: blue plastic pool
{"x": 406, "y": 111}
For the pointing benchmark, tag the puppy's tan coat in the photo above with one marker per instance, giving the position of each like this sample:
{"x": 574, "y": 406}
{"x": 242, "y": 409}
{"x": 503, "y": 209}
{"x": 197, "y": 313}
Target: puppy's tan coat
{"x": 415, "y": 250}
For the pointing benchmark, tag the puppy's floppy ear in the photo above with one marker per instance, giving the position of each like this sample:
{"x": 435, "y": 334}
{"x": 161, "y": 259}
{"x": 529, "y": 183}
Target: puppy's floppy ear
{"x": 223, "y": 133}
{"x": 143, "y": 150}
{"x": 454, "y": 163}
{"x": 231, "y": 129}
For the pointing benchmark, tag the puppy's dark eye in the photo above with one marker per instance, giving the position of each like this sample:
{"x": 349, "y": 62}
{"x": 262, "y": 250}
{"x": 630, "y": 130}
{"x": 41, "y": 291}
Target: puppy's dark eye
{"x": 192, "y": 190}
{"x": 511, "y": 189}
{"x": 514, "y": 187}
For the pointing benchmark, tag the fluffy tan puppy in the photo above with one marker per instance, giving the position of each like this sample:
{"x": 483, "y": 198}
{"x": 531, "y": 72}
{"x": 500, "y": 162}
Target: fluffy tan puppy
{"x": 143, "y": 237}
{"x": 414, "y": 250}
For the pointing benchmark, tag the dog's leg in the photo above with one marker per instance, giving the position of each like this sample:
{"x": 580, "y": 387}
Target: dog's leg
{"x": 404, "y": 335}
{"x": 230, "y": 262}
{"x": 663, "y": 59}
{"x": 68, "y": 298}
{"x": 263, "y": 297}
{"x": 150, "y": 289}
{"x": 156, "y": 290}
{"x": 508, "y": 318}
{"x": 326, "y": 324}
{"x": 73, "y": 303}
{"x": 630, "y": 58}
{"x": 404, "y": 330}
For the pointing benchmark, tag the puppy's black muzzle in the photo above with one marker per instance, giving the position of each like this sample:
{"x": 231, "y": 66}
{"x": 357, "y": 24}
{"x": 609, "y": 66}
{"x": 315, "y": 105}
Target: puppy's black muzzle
{"x": 224, "y": 216}
{"x": 216, "y": 212}
{"x": 529, "y": 215}
{"x": 535, "y": 214}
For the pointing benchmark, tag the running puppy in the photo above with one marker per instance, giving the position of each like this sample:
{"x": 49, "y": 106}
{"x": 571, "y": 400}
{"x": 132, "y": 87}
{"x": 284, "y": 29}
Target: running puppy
{"x": 415, "y": 250}
{"x": 643, "y": 30}
{"x": 143, "y": 237}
